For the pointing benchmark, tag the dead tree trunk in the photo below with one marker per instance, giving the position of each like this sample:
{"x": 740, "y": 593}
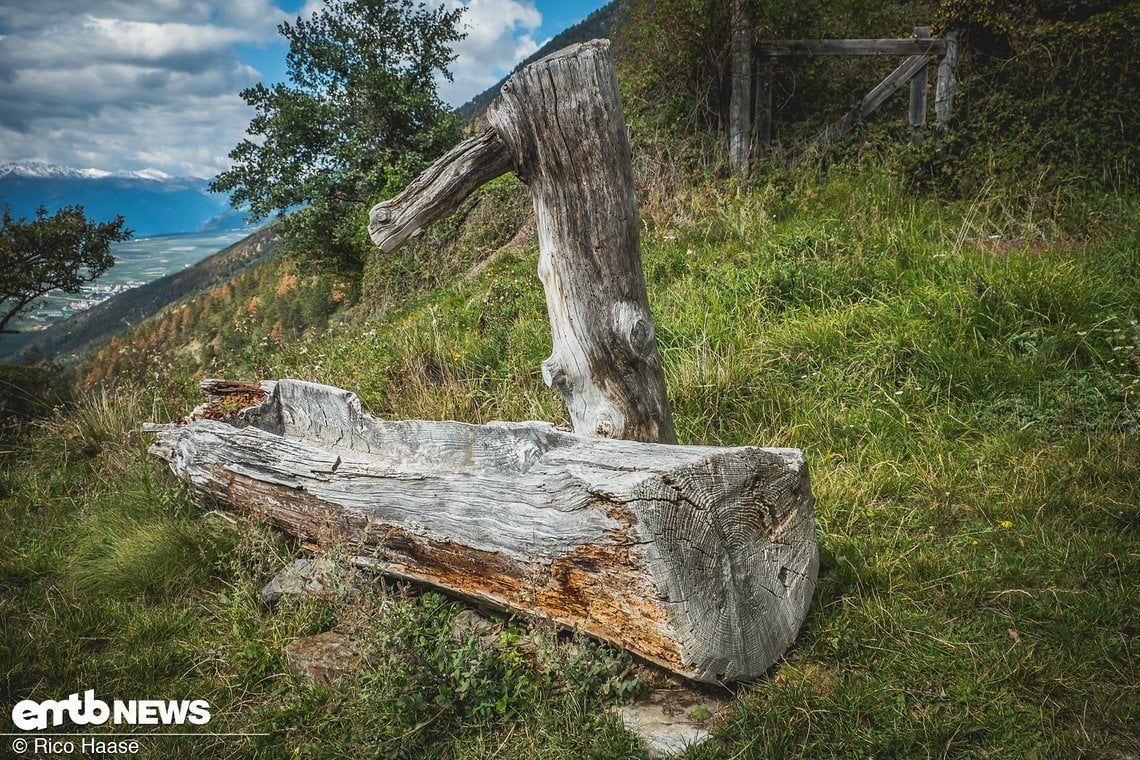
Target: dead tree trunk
{"x": 702, "y": 560}
{"x": 560, "y": 122}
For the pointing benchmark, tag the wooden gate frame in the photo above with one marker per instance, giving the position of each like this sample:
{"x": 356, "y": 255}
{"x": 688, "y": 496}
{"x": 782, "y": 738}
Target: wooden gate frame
{"x": 919, "y": 50}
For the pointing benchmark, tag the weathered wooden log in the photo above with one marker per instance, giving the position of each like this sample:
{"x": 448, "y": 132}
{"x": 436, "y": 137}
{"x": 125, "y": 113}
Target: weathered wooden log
{"x": 561, "y": 123}
{"x": 702, "y": 560}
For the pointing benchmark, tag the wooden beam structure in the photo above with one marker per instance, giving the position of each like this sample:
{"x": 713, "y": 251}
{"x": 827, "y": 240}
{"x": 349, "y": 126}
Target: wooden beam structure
{"x": 918, "y": 86}
{"x": 915, "y": 69}
{"x": 700, "y": 559}
{"x": 799, "y": 48}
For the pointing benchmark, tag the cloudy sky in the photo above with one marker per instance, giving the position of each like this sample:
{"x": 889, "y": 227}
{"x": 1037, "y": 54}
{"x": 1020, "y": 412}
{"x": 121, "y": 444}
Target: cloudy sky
{"x": 128, "y": 85}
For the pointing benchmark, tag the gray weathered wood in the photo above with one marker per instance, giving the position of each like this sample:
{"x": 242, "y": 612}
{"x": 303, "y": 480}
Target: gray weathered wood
{"x": 740, "y": 102}
{"x": 946, "y": 85}
{"x": 764, "y": 110}
{"x": 906, "y": 71}
{"x": 908, "y": 47}
{"x": 916, "y": 115}
{"x": 702, "y": 560}
{"x": 438, "y": 191}
{"x": 561, "y": 122}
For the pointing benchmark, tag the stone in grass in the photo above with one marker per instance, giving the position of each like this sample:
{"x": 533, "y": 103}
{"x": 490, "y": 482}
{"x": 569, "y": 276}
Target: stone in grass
{"x": 326, "y": 658}
{"x": 669, "y": 721}
{"x": 469, "y": 624}
{"x": 319, "y": 578}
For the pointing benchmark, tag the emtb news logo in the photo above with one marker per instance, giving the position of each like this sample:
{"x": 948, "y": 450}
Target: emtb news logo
{"x": 30, "y": 715}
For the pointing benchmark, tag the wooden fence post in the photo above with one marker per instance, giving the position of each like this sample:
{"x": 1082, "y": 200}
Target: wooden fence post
{"x": 918, "y": 84}
{"x": 764, "y": 107}
{"x": 946, "y": 86}
{"x": 740, "y": 109}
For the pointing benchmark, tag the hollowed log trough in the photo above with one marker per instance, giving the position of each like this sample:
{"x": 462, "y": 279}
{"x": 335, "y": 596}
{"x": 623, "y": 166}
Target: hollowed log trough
{"x": 699, "y": 559}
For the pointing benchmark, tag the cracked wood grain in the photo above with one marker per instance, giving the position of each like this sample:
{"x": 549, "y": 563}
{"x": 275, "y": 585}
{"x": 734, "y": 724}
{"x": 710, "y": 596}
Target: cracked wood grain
{"x": 700, "y": 559}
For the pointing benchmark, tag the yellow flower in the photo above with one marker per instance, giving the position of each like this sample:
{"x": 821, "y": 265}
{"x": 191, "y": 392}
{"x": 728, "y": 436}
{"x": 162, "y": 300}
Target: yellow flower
{"x": 1006, "y": 524}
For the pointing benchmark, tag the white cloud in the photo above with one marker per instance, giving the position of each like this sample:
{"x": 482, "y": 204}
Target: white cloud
{"x": 499, "y": 35}
{"x": 126, "y": 85}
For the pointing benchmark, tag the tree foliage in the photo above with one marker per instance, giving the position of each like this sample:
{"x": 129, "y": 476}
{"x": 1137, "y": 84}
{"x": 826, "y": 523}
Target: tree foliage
{"x": 57, "y": 252}
{"x": 1051, "y": 85}
{"x": 358, "y": 119}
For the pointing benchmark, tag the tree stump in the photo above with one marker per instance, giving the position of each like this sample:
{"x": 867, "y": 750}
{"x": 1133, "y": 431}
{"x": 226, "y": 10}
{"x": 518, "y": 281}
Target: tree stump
{"x": 700, "y": 559}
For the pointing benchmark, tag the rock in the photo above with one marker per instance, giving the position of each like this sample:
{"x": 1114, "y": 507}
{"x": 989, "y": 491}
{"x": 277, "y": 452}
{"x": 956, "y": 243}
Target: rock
{"x": 325, "y": 658}
{"x": 671, "y": 720}
{"x": 319, "y": 578}
{"x": 470, "y": 624}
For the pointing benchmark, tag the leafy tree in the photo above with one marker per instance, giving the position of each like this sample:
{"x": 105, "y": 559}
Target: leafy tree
{"x": 61, "y": 251}
{"x": 359, "y": 118}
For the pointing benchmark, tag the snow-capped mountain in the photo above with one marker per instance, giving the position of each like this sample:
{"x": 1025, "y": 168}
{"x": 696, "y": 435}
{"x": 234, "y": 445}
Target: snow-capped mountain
{"x": 151, "y": 201}
{"x": 36, "y": 170}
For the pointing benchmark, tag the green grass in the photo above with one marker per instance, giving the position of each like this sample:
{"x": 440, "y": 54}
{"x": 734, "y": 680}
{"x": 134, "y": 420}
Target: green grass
{"x": 963, "y": 377}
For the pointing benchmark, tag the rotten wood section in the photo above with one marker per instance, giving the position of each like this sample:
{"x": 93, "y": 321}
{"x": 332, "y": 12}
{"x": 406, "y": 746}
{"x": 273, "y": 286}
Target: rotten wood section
{"x": 702, "y": 560}
{"x": 560, "y": 122}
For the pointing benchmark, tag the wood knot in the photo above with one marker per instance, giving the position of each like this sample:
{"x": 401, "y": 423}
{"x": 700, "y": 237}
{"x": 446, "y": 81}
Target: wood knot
{"x": 554, "y": 375}
{"x": 604, "y": 426}
{"x": 632, "y": 325}
{"x": 381, "y": 213}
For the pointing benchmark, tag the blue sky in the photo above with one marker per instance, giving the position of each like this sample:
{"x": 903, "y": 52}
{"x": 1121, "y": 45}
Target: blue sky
{"x": 130, "y": 85}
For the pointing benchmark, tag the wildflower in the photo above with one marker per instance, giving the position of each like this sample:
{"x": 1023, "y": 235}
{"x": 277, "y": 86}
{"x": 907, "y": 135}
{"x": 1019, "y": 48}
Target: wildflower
{"x": 1006, "y": 524}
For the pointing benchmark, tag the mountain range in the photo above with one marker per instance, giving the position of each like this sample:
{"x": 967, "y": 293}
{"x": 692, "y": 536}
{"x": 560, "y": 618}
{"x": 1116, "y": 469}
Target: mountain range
{"x": 151, "y": 202}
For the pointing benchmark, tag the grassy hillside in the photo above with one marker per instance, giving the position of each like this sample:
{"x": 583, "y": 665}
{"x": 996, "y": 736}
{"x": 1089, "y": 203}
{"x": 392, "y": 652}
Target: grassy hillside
{"x": 963, "y": 376}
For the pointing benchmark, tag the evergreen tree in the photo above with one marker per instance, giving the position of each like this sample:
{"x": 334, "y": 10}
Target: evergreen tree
{"x": 359, "y": 118}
